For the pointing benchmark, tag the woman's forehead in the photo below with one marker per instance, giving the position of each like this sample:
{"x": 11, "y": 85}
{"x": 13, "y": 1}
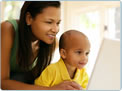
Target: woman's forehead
{"x": 50, "y": 13}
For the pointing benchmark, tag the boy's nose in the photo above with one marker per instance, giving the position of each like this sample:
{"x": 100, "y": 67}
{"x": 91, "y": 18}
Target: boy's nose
{"x": 84, "y": 58}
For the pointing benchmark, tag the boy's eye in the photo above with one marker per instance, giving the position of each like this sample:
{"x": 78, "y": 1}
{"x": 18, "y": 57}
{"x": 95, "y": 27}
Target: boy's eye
{"x": 87, "y": 53}
{"x": 79, "y": 52}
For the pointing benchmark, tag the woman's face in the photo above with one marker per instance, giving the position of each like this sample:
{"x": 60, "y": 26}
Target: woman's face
{"x": 45, "y": 25}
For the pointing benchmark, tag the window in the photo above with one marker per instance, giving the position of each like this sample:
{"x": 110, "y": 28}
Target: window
{"x": 113, "y": 23}
{"x": 11, "y": 9}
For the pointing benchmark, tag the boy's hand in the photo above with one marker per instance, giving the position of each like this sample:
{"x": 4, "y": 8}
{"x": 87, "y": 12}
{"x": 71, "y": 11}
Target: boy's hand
{"x": 67, "y": 85}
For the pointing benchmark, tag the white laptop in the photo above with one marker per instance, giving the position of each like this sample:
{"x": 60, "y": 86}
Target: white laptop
{"x": 106, "y": 73}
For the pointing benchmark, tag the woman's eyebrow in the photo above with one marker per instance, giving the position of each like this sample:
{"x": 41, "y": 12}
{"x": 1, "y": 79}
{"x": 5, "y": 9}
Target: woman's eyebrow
{"x": 53, "y": 19}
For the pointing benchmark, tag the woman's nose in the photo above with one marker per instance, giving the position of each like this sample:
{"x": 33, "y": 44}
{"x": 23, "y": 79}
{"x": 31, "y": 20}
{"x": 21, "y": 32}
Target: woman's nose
{"x": 55, "y": 28}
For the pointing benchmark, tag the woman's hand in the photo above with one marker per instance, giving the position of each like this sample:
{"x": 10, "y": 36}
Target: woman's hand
{"x": 66, "y": 85}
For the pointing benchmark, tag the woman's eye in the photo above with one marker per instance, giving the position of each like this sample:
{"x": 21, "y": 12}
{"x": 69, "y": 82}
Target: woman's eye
{"x": 49, "y": 22}
{"x": 58, "y": 23}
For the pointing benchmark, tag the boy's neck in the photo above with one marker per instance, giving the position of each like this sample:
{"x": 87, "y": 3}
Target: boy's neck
{"x": 71, "y": 70}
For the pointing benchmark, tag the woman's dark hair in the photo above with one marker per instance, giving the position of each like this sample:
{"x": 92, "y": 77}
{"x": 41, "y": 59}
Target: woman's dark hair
{"x": 24, "y": 45}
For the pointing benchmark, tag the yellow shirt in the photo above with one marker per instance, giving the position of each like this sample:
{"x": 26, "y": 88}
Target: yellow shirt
{"x": 57, "y": 73}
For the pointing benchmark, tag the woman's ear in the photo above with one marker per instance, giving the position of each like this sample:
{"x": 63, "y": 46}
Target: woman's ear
{"x": 63, "y": 53}
{"x": 28, "y": 18}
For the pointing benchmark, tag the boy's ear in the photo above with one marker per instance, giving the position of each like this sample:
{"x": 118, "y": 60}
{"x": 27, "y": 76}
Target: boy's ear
{"x": 63, "y": 53}
{"x": 28, "y": 18}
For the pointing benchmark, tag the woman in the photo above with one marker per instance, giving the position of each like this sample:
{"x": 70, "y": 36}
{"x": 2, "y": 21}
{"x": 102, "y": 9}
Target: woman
{"x": 27, "y": 46}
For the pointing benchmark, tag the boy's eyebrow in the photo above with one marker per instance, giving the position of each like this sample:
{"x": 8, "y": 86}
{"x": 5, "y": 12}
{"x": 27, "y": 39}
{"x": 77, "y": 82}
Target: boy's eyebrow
{"x": 82, "y": 49}
{"x": 79, "y": 49}
{"x": 88, "y": 51}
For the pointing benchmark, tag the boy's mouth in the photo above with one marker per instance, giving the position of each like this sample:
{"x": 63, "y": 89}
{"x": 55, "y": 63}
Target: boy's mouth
{"x": 81, "y": 63}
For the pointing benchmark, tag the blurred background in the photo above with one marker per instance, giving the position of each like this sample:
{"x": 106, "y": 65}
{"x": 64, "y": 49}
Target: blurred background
{"x": 96, "y": 19}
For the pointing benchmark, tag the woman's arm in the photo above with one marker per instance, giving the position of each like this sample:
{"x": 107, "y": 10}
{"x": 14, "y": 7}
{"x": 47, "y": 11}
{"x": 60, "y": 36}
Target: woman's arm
{"x": 15, "y": 85}
{"x": 7, "y": 38}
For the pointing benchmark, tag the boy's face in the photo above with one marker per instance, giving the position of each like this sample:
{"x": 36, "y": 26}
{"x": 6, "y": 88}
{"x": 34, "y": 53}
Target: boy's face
{"x": 76, "y": 52}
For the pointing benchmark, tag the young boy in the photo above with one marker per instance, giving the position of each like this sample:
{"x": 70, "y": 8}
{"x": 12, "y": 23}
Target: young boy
{"x": 74, "y": 48}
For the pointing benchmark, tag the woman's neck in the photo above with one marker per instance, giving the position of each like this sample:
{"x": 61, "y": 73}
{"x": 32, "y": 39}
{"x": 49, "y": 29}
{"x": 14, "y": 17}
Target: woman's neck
{"x": 35, "y": 48}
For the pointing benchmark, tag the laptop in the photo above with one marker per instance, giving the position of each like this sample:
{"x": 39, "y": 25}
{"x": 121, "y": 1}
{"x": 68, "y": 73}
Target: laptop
{"x": 106, "y": 72}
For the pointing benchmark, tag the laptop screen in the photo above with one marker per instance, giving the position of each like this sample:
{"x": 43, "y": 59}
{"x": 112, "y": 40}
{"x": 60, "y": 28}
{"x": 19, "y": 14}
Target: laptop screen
{"x": 106, "y": 73}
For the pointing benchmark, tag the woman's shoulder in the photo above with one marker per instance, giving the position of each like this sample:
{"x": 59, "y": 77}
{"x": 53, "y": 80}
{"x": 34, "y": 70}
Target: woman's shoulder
{"x": 9, "y": 25}
{"x": 6, "y": 24}
{"x": 7, "y": 32}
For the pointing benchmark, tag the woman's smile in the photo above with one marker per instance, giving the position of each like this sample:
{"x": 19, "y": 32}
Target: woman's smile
{"x": 51, "y": 36}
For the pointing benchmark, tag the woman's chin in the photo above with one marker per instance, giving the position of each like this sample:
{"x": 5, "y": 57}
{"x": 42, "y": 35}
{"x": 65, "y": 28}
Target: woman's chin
{"x": 49, "y": 42}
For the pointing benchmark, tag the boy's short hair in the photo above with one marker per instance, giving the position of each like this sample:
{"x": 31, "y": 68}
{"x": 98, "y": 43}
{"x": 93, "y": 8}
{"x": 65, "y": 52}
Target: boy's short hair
{"x": 66, "y": 35}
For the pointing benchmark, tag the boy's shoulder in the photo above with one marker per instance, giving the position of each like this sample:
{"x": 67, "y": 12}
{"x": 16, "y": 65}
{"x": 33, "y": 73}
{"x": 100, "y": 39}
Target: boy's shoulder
{"x": 83, "y": 70}
{"x": 53, "y": 66}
